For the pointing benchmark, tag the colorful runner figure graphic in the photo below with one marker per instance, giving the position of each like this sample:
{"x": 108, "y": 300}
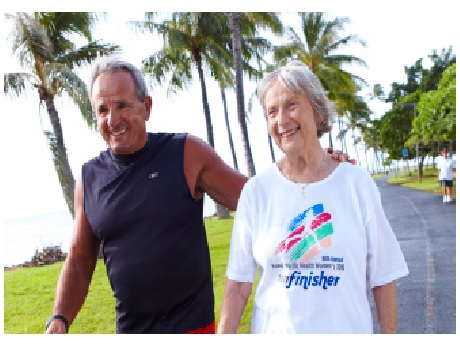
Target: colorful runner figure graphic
{"x": 305, "y": 242}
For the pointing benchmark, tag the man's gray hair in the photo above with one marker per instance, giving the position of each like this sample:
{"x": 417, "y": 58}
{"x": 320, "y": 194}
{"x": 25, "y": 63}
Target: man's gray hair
{"x": 296, "y": 76}
{"x": 111, "y": 64}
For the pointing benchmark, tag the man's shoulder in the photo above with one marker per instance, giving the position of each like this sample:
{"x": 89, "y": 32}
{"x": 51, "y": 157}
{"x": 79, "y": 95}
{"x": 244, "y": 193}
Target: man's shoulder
{"x": 162, "y": 140}
{"x": 102, "y": 156}
{"x": 170, "y": 135}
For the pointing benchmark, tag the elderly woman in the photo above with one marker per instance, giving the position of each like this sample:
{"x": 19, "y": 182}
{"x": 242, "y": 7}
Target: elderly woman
{"x": 314, "y": 228}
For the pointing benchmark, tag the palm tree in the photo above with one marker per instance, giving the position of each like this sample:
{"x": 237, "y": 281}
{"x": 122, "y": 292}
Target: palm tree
{"x": 244, "y": 29}
{"x": 42, "y": 42}
{"x": 200, "y": 40}
{"x": 191, "y": 41}
{"x": 372, "y": 139}
{"x": 357, "y": 118}
{"x": 227, "y": 125}
{"x": 319, "y": 48}
{"x": 238, "y": 65}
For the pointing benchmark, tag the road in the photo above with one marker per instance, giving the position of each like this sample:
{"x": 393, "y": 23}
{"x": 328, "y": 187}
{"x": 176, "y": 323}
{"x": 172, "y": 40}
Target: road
{"x": 425, "y": 228}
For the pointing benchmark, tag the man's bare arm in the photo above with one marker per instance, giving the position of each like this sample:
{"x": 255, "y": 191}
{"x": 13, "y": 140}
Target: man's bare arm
{"x": 76, "y": 274}
{"x": 207, "y": 172}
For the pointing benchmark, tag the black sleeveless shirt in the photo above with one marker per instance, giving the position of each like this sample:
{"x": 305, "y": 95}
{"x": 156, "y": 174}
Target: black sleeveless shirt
{"x": 154, "y": 241}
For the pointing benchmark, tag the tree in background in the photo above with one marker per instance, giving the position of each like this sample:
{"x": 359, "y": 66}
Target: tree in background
{"x": 401, "y": 125}
{"x": 238, "y": 66}
{"x": 244, "y": 28}
{"x": 42, "y": 41}
{"x": 203, "y": 40}
{"x": 368, "y": 127}
{"x": 192, "y": 40}
{"x": 189, "y": 44}
{"x": 436, "y": 119}
{"x": 356, "y": 115}
{"x": 248, "y": 48}
{"x": 318, "y": 47}
{"x": 370, "y": 133}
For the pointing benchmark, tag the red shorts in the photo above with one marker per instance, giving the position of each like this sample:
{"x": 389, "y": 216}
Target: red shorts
{"x": 209, "y": 329}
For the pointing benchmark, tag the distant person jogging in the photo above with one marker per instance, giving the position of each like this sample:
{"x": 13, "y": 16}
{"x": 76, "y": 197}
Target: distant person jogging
{"x": 446, "y": 170}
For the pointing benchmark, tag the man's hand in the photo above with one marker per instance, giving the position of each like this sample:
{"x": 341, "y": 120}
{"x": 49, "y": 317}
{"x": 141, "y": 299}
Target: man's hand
{"x": 340, "y": 156}
{"x": 56, "y": 327}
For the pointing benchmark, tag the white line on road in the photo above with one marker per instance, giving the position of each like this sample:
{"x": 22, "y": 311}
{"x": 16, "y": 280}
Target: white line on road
{"x": 430, "y": 272}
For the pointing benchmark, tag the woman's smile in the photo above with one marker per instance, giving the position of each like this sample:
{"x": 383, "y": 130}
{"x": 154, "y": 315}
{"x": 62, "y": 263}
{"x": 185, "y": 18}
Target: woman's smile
{"x": 289, "y": 133}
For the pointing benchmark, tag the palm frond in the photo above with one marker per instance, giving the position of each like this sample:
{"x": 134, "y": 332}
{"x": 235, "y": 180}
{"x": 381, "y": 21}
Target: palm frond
{"x": 87, "y": 53}
{"x": 31, "y": 43}
{"x": 61, "y": 25}
{"x": 166, "y": 63}
{"x": 14, "y": 84}
{"x": 61, "y": 78}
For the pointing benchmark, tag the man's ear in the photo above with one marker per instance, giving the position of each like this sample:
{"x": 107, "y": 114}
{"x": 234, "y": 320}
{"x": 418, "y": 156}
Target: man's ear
{"x": 148, "y": 107}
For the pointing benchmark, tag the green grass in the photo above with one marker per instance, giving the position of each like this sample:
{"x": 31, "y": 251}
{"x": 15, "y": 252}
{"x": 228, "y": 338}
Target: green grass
{"x": 29, "y": 297}
{"x": 428, "y": 182}
{"x": 29, "y": 292}
{"x": 219, "y": 234}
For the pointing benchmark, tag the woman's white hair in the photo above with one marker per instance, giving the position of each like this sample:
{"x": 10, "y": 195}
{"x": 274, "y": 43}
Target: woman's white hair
{"x": 296, "y": 76}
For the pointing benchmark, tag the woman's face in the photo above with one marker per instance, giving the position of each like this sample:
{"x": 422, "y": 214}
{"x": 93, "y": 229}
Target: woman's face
{"x": 291, "y": 120}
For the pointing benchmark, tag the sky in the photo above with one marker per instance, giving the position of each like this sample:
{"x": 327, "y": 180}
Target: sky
{"x": 33, "y": 209}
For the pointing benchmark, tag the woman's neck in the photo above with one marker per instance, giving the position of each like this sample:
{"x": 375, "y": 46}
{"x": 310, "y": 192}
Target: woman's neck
{"x": 306, "y": 168}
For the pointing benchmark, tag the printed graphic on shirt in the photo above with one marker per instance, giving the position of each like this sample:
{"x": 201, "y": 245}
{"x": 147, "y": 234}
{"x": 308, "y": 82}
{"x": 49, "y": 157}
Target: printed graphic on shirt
{"x": 308, "y": 233}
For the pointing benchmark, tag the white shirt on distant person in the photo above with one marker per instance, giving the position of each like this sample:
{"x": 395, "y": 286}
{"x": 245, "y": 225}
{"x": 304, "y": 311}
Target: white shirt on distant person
{"x": 445, "y": 167}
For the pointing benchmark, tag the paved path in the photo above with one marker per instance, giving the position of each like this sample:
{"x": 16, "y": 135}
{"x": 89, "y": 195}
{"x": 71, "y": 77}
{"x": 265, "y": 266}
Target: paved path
{"x": 425, "y": 228}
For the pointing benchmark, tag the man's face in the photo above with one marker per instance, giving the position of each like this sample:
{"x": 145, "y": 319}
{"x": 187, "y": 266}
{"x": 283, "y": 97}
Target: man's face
{"x": 121, "y": 117}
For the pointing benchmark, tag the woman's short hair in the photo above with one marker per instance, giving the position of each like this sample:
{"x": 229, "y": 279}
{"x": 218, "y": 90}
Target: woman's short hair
{"x": 109, "y": 65}
{"x": 296, "y": 76}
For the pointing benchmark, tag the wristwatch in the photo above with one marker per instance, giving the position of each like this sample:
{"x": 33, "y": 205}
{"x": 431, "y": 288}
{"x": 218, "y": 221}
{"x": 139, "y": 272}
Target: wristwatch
{"x": 58, "y": 317}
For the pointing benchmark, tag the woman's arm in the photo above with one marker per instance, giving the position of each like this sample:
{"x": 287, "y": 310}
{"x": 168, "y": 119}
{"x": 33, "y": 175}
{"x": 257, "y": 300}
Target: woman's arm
{"x": 387, "y": 309}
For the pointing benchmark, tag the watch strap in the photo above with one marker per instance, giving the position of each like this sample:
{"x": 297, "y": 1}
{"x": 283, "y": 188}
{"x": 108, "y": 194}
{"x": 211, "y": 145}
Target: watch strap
{"x": 58, "y": 317}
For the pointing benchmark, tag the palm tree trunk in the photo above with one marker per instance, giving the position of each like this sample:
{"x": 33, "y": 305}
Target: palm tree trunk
{"x": 60, "y": 160}
{"x": 355, "y": 145}
{"x": 227, "y": 125}
{"x": 367, "y": 161}
{"x": 340, "y": 131}
{"x": 204, "y": 99}
{"x": 377, "y": 160}
{"x": 236, "y": 40}
{"x": 222, "y": 212}
{"x": 270, "y": 143}
{"x": 357, "y": 154}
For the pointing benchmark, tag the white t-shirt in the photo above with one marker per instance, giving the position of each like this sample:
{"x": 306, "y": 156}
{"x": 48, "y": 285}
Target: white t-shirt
{"x": 318, "y": 254}
{"x": 445, "y": 166}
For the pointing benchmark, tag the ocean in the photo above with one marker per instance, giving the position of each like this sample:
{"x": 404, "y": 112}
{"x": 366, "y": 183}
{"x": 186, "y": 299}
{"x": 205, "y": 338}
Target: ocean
{"x": 22, "y": 236}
